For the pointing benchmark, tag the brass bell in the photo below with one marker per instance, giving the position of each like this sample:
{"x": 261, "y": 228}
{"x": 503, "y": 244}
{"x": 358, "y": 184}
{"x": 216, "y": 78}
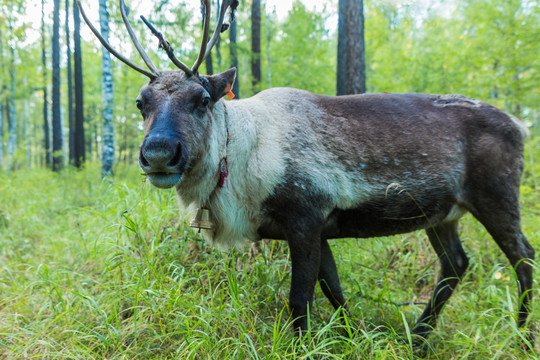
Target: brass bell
{"x": 202, "y": 220}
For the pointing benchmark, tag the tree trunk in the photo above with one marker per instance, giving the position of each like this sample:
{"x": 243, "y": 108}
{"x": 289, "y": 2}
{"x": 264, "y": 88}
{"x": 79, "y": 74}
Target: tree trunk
{"x": 256, "y": 44}
{"x": 27, "y": 125}
{"x": 208, "y": 60}
{"x": 218, "y": 42}
{"x": 124, "y": 125}
{"x": 79, "y": 146}
{"x": 218, "y": 53}
{"x": 268, "y": 54}
{"x": 46, "y": 126}
{"x": 209, "y": 65}
{"x": 356, "y": 63}
{"x": 11, "y": 109}
{"x": 94, "y": 135}
{"x": 234, "y": 58}
{"x": 71, "y": 120}
{"x": 341, "y": 75}
{"x": 56, "y": 106}
{"x": 107, "y": 150}
{"x": 351, "y": 68}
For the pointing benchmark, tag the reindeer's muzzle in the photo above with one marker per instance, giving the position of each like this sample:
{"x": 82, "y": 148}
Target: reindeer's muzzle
{"x": 163, "y": 159}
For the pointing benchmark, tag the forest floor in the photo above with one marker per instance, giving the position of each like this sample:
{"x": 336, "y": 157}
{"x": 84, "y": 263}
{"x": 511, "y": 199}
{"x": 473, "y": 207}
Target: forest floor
{"x": 109, "y": 270}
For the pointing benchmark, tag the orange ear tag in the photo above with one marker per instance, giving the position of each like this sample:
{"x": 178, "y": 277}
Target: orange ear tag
{"x": 229, "y": 92}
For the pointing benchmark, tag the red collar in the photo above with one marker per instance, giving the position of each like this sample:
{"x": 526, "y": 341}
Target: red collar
{"x": 223, "y": 172}
{"x": 223, "y": 167}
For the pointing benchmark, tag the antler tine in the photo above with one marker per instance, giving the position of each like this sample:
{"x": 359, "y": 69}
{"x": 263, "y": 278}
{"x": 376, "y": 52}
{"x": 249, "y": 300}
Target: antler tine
{"x": 217, "y": 31}
{"x": 105, "y": 44}
{"x": 136, "y": 42}
{"x": 204, "y": 42}
{"x": 164, "y": 44}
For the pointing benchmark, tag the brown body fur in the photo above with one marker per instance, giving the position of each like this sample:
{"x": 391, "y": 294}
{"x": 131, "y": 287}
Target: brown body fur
{"x": 307, "y": 168}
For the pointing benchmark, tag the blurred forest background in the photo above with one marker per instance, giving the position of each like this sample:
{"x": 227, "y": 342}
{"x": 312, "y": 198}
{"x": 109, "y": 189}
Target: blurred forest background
{"x": 486, "y": 49}
{"x": 94, "y": 269}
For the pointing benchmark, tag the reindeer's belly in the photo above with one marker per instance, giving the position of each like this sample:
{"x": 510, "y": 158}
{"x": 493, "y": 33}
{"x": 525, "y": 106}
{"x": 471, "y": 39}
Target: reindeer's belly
{"x": 357, "y": 204}
{"x": 384, "y": 218}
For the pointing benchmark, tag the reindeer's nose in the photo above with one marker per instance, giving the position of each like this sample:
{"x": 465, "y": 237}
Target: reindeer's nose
{"x": 161, "y": 154}
{"x": 163, "y": 159}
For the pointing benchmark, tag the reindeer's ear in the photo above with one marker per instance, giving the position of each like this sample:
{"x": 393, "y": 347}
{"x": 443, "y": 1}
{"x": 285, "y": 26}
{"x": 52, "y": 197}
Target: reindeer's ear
{"x": 221, "y": 84}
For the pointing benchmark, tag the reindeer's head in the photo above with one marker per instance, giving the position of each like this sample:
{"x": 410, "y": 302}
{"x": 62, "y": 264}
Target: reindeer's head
{"x": 176, "y": 105}
{"x": 177, "y": 113}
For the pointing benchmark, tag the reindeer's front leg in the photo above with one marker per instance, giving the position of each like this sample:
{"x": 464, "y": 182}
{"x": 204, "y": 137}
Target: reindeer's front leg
{"x": 305, "y": 249}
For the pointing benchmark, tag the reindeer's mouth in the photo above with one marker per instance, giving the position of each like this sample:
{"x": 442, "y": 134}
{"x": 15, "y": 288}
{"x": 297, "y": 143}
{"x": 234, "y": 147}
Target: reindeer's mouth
{"x": 164, "y": 180}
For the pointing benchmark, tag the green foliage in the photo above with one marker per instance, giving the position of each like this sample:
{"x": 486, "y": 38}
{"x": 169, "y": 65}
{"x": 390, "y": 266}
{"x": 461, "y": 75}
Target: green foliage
{"x": 301, "y": 46}
{"x": 485, "y": 49}
{"x": 92, "y": 269}
{"x": 95, "y": 270}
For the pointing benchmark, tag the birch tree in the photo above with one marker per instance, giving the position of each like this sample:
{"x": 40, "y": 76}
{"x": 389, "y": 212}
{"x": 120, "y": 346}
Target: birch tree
{"x": 46, "y": 126}
{"x": 107, "y": 152}
{"x": 27, "y": 126}
{"x": 11, "y": 108}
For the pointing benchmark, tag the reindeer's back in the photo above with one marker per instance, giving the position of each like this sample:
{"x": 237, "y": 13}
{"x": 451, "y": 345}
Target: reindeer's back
{"x": 363, "y": 143}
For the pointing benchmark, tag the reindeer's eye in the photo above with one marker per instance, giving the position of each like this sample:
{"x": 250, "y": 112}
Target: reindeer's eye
{"x": 205, "y": 101}
{"x": 139, "y": 104}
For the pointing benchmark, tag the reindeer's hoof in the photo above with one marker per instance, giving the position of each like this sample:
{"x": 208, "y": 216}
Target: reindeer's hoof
{"x": 419, "y": 346}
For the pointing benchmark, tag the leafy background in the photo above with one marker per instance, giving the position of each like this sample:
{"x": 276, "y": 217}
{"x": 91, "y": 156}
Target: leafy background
{"x": 93, "y": 269}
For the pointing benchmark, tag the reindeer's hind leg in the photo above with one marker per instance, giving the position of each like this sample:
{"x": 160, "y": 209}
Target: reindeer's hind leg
{"x": 501, "y": 218}
{"x": 445, "y": 240}
{"x": 329, "y": 278}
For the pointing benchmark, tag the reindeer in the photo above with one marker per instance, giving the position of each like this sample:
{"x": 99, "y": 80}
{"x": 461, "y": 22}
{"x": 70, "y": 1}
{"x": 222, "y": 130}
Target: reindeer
{"x": 291, "y": 165}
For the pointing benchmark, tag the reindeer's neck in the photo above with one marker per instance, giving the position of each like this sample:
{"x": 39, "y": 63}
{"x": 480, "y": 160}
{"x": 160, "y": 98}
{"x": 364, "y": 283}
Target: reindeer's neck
{"x": 201, "y": 179}
{"x": 245, "y": 133}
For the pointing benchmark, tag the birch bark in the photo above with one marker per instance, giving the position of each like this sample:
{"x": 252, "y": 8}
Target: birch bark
{"x": 107, "y": 151}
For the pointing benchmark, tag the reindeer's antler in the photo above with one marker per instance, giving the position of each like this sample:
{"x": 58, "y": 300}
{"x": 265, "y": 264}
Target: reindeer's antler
{"x": 206, "y": 27}
{"x": 151, "y": 74}
{"x": 206, "y": 46}
{"x": 164, "y": 44}
{"x": 219, "y": 27}
{"x": 136, "y": 42}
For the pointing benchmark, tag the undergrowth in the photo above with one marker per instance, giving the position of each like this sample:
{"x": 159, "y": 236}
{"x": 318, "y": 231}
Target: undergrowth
{"x": 93, "y": 269}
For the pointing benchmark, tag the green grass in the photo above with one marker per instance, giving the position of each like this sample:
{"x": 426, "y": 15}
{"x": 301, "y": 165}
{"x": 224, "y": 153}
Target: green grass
{"x": 107, "y": 270}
